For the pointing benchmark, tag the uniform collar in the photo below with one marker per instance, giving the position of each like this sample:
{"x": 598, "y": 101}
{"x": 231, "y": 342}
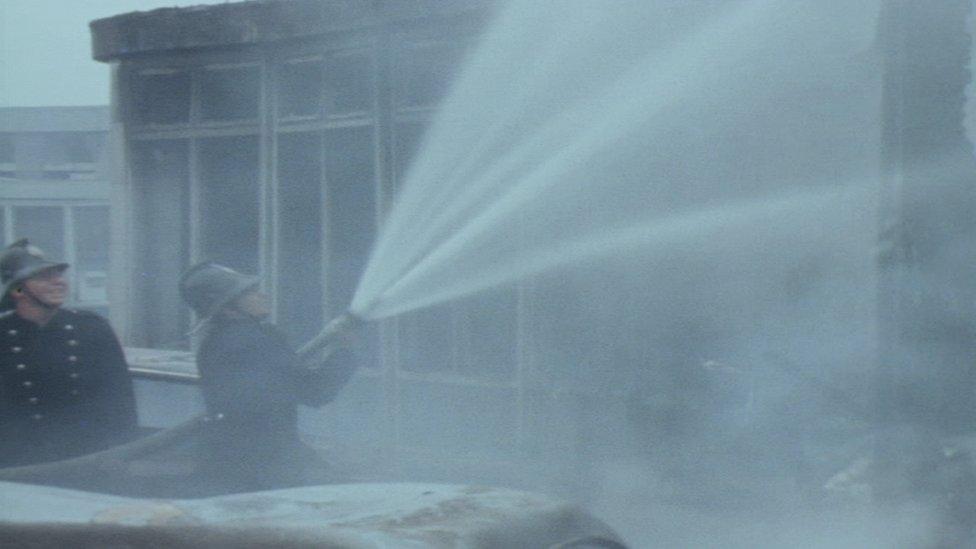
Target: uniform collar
{"x": 59, "y": 321}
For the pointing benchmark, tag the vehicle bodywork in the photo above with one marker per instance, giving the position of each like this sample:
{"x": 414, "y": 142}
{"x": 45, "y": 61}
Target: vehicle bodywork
{"x": 340, "y": 516}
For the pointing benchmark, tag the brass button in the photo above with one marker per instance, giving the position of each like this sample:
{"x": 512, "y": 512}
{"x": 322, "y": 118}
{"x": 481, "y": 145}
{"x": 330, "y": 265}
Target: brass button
{"x": 21, "y": 366}
{"x": 69, "y": 327}
{"x": 11, "y": 332}
{"x": 16, "y": 349}
{"x": 72, "y": 342}
{"x": 32, "y": 400}
{"x": 28, "y": 384}
{"x": 72, "y": 358}
{"x": 37, "y": 417}
{"x": 73, "y": 375}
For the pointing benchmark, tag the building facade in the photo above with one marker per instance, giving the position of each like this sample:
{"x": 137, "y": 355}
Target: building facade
{"x": 272, "y": 136}
{"x": 54, "y": 190}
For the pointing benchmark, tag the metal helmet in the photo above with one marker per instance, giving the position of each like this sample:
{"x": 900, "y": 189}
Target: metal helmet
{"x": 19, "y": 262}
{"x": 207, "y": 287}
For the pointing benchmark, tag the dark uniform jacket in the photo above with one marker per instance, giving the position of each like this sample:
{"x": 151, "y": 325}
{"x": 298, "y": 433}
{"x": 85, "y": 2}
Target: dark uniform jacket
{"x": 253, "y": 382}
{"x": 65, "y": 389}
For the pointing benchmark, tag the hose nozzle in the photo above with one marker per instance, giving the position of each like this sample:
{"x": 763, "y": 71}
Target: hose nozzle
{"x": 334, "y": 335}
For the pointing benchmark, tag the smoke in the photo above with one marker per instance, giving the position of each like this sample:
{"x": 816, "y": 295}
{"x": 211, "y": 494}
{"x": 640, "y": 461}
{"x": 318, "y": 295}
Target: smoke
{"x": 692, "y": 220}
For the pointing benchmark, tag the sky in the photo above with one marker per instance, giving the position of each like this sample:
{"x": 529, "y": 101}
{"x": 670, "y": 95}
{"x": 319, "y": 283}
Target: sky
{"x": 45, "y": 50}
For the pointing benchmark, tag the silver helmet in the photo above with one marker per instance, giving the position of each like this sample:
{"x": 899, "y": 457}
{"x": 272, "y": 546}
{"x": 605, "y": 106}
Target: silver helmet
{"x": 19, "y": 262}
{"x": 207, "y": 287}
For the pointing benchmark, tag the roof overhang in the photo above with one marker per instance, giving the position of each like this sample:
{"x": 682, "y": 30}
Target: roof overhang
{"x": 256, "y": 22}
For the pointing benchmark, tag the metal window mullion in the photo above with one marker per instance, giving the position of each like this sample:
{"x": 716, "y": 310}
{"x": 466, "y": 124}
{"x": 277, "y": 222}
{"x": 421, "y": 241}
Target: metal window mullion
{"x": 193, "y": 173}
{"x": 194, "y": 199}
{"x": 267, "y": 188}
{"x": 194, "y": 232}
{"x": 269, "y": 152}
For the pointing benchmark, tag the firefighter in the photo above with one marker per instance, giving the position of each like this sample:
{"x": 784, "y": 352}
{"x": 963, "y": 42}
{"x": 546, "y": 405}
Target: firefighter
{"x": 252, "y": 383}
{"x": 65, "y": 389}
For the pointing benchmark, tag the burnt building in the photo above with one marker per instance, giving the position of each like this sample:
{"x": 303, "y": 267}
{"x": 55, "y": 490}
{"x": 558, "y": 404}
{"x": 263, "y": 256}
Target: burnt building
{"x": 271, "y": 136}
{"x": 54, "y": 190}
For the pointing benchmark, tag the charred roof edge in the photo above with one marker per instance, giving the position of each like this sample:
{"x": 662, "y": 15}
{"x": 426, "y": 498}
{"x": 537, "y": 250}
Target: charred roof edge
{"x": 255, "y": 21}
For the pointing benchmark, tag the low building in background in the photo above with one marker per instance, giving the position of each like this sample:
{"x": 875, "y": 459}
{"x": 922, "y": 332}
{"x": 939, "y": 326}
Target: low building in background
{"x": 54, "y": 190}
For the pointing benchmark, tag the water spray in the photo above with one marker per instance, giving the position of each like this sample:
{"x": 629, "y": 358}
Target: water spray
{"x": 334, "y": 335}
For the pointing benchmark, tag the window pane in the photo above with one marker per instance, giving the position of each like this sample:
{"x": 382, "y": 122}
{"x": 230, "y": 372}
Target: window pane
{"x": 70, "y": 147}
{"x": 425, "y": 73}
{"x": 348, "y": 83}
{"x": 487, "y": 326}
{"x": 229, "y": 211}
{"x": 6, "y": 148}
{"x": 161, "y": 187}
{"x": 351, "y": 207}
{"x": 300, "y": 89}
{"x": 91, "y": 253}
{"x": 161, "y": 98}
{"x": 230, "y": 94}
{"x": 426, "y": 340}
{"x": 300, "y": 237}
{"x": 407, "y": 144}
{"x": 44, "y": 226}
{"x": 161, "y": 251}
{"x": 426, "y": 337}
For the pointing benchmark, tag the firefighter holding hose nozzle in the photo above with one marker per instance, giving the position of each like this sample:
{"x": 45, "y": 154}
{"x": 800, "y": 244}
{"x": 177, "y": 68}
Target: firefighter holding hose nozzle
{"x": 253, "y": 382}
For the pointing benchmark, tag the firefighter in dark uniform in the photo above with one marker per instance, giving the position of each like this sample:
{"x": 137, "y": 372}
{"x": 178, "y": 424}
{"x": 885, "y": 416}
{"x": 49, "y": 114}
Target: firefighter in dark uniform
{"x": 252, "y": 383}
{"x": 65, "y": 389}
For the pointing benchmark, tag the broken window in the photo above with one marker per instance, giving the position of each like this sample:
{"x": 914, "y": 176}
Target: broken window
{"x": 91, "y": 230}
{"x": 425, "y": 72}
{"x": 300, "y": 89}
{"x": 299, "y": 291}
{"x": 229, "y": 202}
{"x": 161, "y": 97}
{"x": 230, "y": 94}
{"x": 349, "y": 83}
{"x": 160, "y": 185}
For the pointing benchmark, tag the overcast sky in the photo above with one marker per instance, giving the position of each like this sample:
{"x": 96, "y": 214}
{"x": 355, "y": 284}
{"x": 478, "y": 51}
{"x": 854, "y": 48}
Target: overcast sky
{"x": 45, "y": 49}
